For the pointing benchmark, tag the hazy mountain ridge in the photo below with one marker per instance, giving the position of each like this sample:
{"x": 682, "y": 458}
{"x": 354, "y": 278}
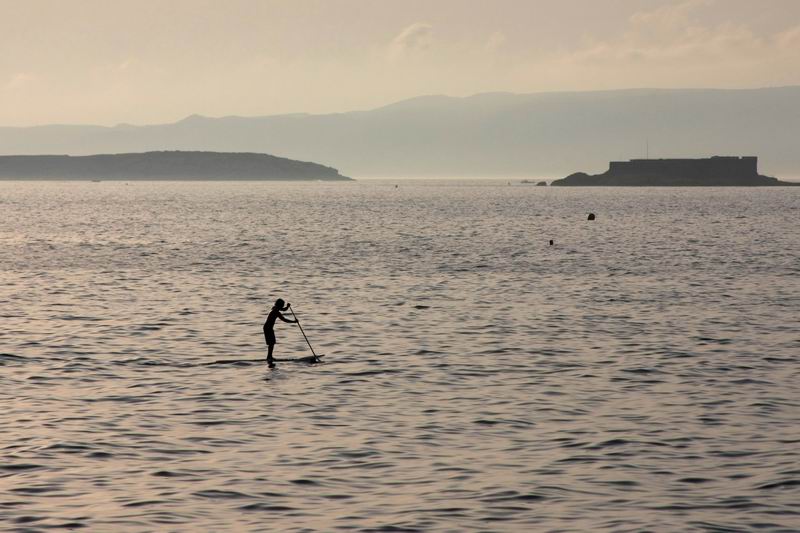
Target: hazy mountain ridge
{"x": 491, "y": 134}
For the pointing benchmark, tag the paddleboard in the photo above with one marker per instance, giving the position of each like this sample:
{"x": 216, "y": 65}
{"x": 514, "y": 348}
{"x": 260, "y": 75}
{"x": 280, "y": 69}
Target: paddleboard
{"x": 308, "y": 359}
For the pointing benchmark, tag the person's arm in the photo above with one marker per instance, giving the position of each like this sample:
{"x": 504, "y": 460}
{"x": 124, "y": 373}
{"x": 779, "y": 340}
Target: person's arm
{"x": 289, "y": 320}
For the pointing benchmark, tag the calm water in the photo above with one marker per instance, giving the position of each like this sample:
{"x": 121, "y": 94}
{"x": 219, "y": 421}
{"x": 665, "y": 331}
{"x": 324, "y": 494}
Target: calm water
{"x": 641, "y": 374}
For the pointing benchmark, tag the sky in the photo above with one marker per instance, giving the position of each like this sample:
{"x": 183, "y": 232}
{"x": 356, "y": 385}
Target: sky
{"x": 156, "y": 61}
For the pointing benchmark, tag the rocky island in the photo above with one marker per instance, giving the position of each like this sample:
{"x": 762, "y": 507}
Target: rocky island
{"x": 714, "y": 171}
{"x": 164, "y": 165}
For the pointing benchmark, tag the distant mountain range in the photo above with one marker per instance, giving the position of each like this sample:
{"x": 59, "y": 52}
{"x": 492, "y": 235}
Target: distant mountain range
{"x": 495, "y": 134}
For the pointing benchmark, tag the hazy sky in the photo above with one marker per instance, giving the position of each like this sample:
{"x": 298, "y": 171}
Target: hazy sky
{"x": 149, "y": 61}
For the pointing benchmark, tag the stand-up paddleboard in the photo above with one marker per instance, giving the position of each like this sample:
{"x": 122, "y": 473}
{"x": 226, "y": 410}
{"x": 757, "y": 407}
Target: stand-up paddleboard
{"x": 307, "y": 359}
{"x": 311, "y": 359}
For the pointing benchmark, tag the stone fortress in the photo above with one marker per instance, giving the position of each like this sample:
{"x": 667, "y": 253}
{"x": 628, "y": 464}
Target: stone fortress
{"x": 713, "y": 171}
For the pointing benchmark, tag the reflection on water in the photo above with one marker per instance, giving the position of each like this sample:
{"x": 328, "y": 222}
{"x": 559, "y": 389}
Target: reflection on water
{"x": 641, "y": 373}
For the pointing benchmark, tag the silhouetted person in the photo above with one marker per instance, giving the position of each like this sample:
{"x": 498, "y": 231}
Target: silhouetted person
{"x": 590, "y": 217}
{"x": 269, "y": 325}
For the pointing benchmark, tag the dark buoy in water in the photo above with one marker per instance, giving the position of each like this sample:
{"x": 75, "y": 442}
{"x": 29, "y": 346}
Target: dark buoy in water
{"x": 590, "y": 217}
{"x": 551, "y": 242}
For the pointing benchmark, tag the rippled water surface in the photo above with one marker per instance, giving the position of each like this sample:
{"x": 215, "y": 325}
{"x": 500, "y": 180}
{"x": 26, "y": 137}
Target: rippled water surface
{"x": 640, "y": 374}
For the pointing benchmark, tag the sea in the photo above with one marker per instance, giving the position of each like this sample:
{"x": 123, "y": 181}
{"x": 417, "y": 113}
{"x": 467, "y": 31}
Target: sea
{"x": 639, "y": 374}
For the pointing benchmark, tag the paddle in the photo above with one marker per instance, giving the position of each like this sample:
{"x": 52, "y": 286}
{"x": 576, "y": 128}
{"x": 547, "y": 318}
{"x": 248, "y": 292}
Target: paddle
{"x": 303, "y": 332}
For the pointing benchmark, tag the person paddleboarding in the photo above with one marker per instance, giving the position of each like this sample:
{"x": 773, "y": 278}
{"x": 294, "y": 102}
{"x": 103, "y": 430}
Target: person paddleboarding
{"x": 269, "y": 325}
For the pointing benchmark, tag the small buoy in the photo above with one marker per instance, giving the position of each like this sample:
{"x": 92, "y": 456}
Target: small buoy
{"x": 551, "y": 242}
{"x": 590, "y": 217}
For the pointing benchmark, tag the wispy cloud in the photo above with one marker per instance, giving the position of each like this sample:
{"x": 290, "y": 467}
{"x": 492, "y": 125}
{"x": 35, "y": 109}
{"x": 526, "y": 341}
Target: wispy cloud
{"x": 672, "y": 35}
{"x": 19, "y": 81}
{"x": 414, "y": 39}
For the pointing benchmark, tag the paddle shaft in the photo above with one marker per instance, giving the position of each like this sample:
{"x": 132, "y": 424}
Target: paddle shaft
{"x": 303, "y": 332}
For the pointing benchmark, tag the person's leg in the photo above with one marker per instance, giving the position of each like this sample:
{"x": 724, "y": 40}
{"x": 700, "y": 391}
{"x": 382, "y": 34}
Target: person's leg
{"x": 270, "y": 347}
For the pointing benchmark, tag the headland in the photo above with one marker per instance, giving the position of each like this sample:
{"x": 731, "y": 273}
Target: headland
{"x": 717, "y": 171}
{"x": 164, "y": 165}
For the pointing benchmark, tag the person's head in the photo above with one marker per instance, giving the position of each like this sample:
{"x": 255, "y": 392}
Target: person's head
{"x": 279, "y": 303}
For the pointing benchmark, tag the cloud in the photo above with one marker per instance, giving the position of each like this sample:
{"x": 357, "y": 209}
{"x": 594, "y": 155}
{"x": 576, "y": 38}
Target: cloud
{"x": 673, "y": 46}
{"x": 19, "y": 81}
{"x": 495, "y": 42}
{"x": 667, "y": 19}
{"x": 789, "y": 40}
{"x": 414, "y": 39}
{"x": 672, "y": 35}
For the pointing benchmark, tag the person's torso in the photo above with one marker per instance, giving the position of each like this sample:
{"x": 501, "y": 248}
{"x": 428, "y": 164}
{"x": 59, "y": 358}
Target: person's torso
{"x": 271, "y": 318}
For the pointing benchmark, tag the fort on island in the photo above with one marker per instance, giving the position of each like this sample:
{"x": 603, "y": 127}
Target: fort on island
{"x": 713, "y": 171}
